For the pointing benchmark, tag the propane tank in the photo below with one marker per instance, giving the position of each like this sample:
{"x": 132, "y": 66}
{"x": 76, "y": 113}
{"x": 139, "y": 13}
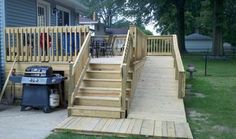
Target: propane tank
{"x": 54, "y": 99}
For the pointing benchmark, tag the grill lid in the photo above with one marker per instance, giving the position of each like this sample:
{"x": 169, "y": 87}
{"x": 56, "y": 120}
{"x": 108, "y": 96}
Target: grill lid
{"x": 39, "y": 71}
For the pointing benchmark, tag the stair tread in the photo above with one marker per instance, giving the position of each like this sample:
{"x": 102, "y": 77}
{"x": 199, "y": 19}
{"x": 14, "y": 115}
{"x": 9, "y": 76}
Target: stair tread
{"x": 103, "y": 71}
{"x": 102, "y": 88}
{"x": 95, "y": 79}
{"x": 98, "y": 97}
{"x": 99, "y": 108}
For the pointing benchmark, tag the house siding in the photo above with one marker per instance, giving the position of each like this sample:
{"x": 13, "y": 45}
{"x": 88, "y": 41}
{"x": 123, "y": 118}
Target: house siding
{"x": 24, "y": 13}
{"x": 2, "y": 21}
{"x": 21, "y": 13}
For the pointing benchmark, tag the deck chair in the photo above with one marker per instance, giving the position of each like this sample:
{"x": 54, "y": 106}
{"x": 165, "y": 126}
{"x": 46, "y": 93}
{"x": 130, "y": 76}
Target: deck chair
{"x": 109, "y": 46}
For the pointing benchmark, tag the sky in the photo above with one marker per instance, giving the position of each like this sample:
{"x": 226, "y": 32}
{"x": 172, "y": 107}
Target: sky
{"x": 152, "y": 28}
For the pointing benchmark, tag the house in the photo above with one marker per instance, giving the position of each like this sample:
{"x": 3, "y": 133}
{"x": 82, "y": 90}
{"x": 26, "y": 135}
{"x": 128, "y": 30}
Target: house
{"x": 92, "y": 23}
{"x": 201, "y": 43}
{"x": 120, "y": 34}
{"x": 31, "y": 13}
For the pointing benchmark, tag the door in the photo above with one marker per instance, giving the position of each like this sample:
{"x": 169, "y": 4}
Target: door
{"x": 43, "y": 16}
{"x": 63, "y": 17}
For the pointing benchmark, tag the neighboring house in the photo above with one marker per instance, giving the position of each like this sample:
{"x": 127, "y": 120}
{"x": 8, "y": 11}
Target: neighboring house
{"x": 24, "y": 13}
{"x": 117, "y": 31}
{"x": 88, "y": 22}
{"x": 200, "y": 43}
{"x": 120, "y": 34}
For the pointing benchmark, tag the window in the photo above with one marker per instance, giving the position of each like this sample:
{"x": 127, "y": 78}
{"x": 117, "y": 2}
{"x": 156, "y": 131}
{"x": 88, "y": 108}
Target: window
{"x": 63, "y": 16}
{"x": 43, "y": 13}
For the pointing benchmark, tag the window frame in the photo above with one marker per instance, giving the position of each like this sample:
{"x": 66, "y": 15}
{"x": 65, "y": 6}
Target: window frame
{"x": 64, "y": 10}
{"x": 48, "y": 5}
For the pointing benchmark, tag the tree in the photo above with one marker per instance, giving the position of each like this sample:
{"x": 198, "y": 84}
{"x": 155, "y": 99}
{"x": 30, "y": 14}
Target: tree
{"x": 106, "y": 10}
{"x": 217, "y": 27}
{"x": 162, "y": 12}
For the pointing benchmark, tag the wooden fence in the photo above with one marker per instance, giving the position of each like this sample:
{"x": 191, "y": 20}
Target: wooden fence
{"x": 159, "y": 45}
{"x": 43, "y": 44}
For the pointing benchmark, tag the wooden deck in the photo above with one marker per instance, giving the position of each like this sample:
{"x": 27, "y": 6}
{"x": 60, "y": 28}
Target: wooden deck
{"x": 156, "y": 110}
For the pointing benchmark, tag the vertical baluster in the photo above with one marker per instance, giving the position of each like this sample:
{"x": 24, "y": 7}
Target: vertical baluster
{"x": 13, "y": 43}
{"x": 43, "y": 41}
{"x": 48, "y": 47}
{"x": 30, "y": 43}
{"x": 80, "y": 38}
{"x": 34, "y": 44}
{"x": 52, "y": 44}
{"x": 75, "y": 42}
{"x": 39, "y": 45}
{"x": 62, "y": 51}
{"x": 70, "y": 30}
{"x": 66, "y": 38}
{"x": 57, "y": 45}
{"x": 9, "y": 45}
{"x": 22, "y": 45}
{"x": 17, "y": 42}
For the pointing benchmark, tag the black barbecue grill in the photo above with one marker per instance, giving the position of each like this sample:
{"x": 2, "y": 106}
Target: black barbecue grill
{"x": 38, "y": 83}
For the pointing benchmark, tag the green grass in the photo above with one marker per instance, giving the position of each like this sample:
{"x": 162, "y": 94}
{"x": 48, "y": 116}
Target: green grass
{"x": 212, "y": 114}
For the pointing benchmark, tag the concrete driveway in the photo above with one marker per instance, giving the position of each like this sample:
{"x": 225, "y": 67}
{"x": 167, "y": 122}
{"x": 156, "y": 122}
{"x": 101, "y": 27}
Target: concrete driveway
{"x": 33, "y": 124}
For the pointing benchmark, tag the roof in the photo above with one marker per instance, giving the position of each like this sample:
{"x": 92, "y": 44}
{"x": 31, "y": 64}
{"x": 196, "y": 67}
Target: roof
{"x": 86, "y": 20}
{"x": 197, "y": 36}
{"x": 79, "y": 7}
{"x": 117, "y": 30}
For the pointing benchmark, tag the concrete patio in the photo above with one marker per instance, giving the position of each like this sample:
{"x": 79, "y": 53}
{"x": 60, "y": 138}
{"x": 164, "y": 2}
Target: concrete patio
{"x": 33, "y": 124}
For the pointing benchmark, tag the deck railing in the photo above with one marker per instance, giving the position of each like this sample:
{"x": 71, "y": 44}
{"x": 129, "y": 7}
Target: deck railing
{"x": 125, "y": 67}
{"x": 179, "y": 68}
{"x": 78, "y": 69}
{"x": 139, "y": 42}
{"x": 43, "y": 44}
{"x": 159, "y": 45}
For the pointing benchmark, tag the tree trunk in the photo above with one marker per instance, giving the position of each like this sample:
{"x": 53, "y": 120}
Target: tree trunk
{"x": 180, "y": 24}
{"x": 217, "y": 28}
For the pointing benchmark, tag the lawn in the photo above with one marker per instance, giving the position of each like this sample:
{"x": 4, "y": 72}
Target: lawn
{"x": 211, "y": 103}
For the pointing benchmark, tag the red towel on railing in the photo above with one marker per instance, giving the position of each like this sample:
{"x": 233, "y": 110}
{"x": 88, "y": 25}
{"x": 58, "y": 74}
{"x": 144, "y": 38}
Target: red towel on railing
{"x": 44, "y": 39}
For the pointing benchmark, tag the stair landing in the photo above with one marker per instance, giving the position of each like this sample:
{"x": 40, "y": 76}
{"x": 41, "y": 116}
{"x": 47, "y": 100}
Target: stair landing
{"x": 126, "y": 127}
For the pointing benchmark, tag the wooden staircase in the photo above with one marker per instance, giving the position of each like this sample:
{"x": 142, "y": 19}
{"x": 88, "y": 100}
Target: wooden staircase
{"x": 99, "y": 93}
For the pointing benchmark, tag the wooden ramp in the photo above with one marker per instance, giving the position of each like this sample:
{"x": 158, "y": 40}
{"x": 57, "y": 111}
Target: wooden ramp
{"x": 156, "y": 110}
{"x": 156, "y": 95}
{"x": 125, "y": 127}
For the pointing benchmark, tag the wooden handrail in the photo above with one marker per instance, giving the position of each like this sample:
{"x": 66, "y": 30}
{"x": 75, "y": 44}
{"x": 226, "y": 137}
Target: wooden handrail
{"x": 79, "y": 68}
{"x": 179, "y": 68}
{"x": 125, "y": 67}
{"x": 8, "y": 77}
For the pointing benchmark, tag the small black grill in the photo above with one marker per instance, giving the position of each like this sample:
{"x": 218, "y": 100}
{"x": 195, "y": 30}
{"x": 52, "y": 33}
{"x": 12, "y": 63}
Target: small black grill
{"x": 39, "y": 83}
